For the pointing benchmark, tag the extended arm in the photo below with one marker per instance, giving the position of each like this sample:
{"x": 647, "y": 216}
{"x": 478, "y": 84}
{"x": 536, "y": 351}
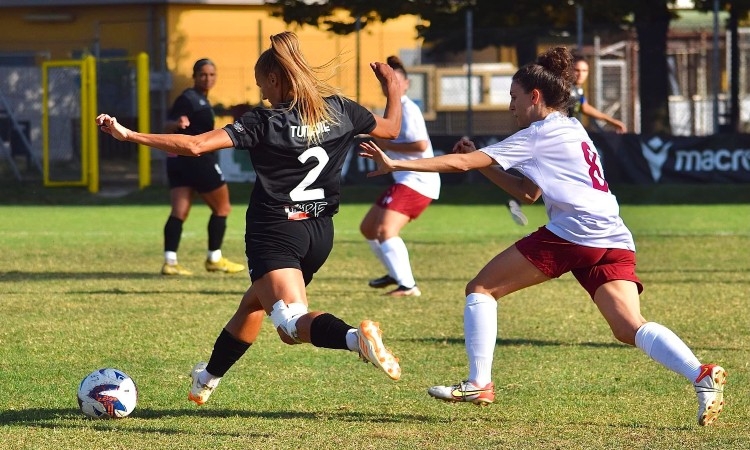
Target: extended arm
{"x": 454, "y": 162}
{"x": 594, "y": 113}
{"x": 180, "y": 144}
{"x": 519, "y": 187}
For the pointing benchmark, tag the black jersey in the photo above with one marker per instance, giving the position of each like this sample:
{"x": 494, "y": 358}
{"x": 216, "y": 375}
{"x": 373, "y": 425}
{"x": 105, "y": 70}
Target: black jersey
{"x": 576, "y": 102}
{"x": 198, "y": 110}
{"x": 296, "y": 179}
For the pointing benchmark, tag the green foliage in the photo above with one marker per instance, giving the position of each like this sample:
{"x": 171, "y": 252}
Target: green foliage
{"x": 80, "y": 289}
{"x": 497, "y": 22}
{"x": 519, "y": 24}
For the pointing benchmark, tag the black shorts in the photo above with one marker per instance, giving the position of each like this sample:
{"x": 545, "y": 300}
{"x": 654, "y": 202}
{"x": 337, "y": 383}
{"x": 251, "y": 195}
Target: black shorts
{"x": 299, "y": 244}
{"x": 202, "y": 173}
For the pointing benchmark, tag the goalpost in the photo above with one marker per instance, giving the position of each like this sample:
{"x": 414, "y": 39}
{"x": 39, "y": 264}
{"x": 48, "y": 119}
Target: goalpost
{"x": 70, "y": 103}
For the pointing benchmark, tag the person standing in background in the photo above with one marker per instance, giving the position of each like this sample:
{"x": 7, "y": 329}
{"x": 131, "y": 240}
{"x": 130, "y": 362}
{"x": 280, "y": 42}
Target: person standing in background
{"x": 192, "y": 114}
{"x": 405, "y": 199}
{"x": 579, "y": 106}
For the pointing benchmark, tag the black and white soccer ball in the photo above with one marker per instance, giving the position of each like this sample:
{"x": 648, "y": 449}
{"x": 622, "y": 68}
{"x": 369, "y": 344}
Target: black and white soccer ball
{"x": 107, "y": 394}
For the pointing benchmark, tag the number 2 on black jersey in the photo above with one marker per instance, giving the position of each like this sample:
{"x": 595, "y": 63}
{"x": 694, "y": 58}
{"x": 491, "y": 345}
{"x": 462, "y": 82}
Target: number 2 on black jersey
{"x": 595, "y": 170}
{"x": 300, "y": 192}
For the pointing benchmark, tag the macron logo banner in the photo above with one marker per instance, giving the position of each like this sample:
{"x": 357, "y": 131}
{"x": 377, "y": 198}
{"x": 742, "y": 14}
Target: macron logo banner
{"x": 627, "y": 159}
{"x": 641, "y": 159}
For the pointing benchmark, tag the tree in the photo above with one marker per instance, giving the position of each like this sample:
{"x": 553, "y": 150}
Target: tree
{"x": 651, "y": 22}
{"x": 496, "y": 22}
{"x": 514, "y": 23}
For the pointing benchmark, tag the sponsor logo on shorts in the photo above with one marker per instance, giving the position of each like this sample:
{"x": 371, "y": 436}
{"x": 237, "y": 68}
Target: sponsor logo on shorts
{"x": 238, "y": 127}
{"x": 302, "y": 211}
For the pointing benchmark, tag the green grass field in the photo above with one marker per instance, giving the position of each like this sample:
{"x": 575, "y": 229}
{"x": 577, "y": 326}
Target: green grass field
{"x": 80, "y": 290}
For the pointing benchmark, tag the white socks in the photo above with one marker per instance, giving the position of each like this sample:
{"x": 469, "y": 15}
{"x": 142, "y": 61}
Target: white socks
{"x": 207, "y": 379}
{"x": 170, "y": 258}
{"x": 396, "y": 260}
{"x": 480, "y": 333}
{"x": 352, "y": 340}
{"x": 664, "y": 347}
{"x": 378, "y": 252}
{"x": 213, "y": 256}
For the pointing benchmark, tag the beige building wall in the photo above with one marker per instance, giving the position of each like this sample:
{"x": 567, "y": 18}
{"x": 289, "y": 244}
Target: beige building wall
{"x": 59, "y": 33}
{"x": 233, "y": 36}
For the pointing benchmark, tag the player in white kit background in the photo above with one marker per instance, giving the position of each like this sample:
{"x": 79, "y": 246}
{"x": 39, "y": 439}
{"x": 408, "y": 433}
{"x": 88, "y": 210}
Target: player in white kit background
{"x": 404, "y": 200}
{"x": 584, "y": 235}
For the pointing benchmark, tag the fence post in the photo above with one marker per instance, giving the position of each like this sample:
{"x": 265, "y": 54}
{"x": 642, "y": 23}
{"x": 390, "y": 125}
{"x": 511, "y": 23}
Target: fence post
{"x": 144, "y": 120}
{"x": 90, "y": 132}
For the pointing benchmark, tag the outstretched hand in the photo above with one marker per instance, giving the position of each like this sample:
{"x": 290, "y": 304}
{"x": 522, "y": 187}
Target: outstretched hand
{"x": 109, "y": 125}
{"x": 370, "y": 150}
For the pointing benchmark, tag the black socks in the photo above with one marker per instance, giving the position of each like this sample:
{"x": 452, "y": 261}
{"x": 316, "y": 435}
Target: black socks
{"x": 328, "y": 331}
{"x": 227, "y": 351}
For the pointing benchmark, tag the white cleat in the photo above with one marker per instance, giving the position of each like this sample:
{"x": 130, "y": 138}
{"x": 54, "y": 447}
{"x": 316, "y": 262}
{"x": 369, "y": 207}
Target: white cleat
{"x": 709, "y": 386}
{"x": 465, "y": 391}
{"x": 199, "y": 392}
{"x": 516, "y": 214}
{"x": 372, "y": 350}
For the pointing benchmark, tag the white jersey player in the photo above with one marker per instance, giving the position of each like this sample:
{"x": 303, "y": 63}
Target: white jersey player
{"x": 405, "y": 199}
{"x": 585, "y": 234}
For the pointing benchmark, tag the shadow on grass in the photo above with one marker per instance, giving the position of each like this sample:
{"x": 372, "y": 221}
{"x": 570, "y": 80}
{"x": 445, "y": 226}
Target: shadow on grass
{"x": 519, "y": 342}
{"x": 480, "y": 192}
{"x": 37, "y": 416}
{"x": 459, "y": 341}
{"x": 15, "y": 275}
{"x": 73, "y": 419}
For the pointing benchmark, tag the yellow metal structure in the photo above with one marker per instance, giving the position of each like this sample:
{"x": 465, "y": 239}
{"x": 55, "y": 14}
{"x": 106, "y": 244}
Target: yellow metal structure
{"x": 144, "y": 120}
{"x": 87, "y": 148}
{"x": 88, "y": 125}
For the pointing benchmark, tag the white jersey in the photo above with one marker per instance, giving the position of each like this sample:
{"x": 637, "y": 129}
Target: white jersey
{"x": 414, "y": 129}
{"x": 558, "y": 156}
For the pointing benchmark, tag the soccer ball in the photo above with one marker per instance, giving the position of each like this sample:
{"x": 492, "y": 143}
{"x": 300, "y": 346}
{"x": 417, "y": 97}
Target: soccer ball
{"x": 107, "y": 394}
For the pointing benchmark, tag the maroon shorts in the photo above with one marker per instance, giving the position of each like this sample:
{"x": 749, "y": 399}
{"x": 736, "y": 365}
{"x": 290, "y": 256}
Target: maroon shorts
{"x": 591, "y": 266}
{"x": 402, "y": 198}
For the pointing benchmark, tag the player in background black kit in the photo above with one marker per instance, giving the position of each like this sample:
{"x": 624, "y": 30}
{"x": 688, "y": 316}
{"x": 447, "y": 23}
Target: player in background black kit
{"x": 192, "y": 114}
{"x": 297, "y": 148}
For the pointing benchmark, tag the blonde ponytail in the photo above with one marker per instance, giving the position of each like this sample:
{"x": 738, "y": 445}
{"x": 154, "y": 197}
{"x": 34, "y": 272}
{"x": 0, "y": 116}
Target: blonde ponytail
{"x": 304, "y": 90}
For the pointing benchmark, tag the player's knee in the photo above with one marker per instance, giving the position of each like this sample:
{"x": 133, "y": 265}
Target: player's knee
{"x": 284, "y": 318}
{"x": 367, "y": 231}
{"x": 626, "y": 335}
{"x": 286, "y": 339}
{"x": 475, "y": 287}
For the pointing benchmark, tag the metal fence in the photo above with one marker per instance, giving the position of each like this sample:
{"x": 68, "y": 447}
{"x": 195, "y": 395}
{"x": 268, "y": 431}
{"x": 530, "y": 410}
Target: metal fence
{"x": 21, "y": 91}
{"x": 696, "y": 109}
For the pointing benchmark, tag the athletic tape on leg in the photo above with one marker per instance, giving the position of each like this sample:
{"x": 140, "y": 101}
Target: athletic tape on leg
{"x": 285, "y": 317}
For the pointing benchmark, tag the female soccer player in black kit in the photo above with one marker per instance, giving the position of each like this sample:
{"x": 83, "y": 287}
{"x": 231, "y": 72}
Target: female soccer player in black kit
{"x": 297, "y": 149}
{"x": 192, "y": 114}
